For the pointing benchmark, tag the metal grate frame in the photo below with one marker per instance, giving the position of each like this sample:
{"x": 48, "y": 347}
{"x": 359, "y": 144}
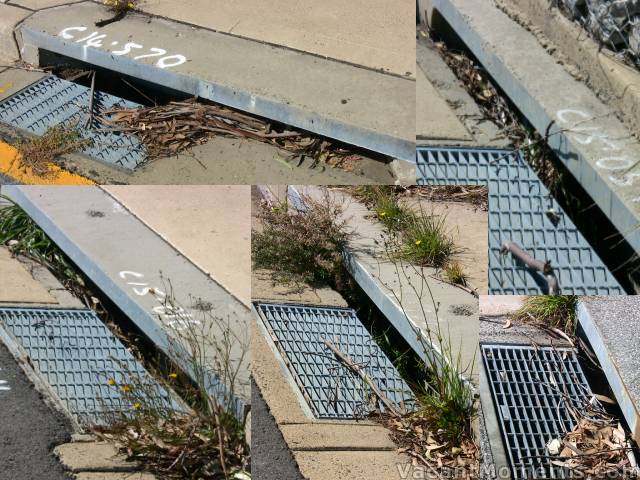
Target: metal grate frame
{"x": 527, "y": 385}
{"x": 52, "y": 101}
{"x": 331, "y": 390}
{"x": 518, "y": 211}
{"x": 75, "y": 353}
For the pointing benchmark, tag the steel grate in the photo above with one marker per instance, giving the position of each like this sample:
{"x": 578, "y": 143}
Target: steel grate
{"x": 528, "y": 386}
{"x": 75, "y": 353}
{"x": 53, "y": 101}
{"x": 330, "y": 389}
{"x": 518, "y": 211}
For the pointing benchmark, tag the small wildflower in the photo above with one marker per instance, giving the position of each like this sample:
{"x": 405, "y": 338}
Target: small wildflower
{"x": 173, "y": 376}
{"x": 111, "y": 382}
{"x": 418, "y": 242}
{"x": 137, "y": 405}
{"x": 125, "y": 388}
{"x": 383, "y": 214}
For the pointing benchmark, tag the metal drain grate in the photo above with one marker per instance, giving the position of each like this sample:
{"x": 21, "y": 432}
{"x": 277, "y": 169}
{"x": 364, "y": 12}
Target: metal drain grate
{"x": 330, "y": 389}
{"x": 53, "y": 101}
{"x": 75, "y": 353}
{"x": 518, "y": 211}
{"x": 528, "y": 386}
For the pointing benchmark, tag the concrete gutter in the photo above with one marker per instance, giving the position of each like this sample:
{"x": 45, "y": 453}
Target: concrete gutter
{"x": 125, "y": 260}
{"x": 355, "y": 105}
{"x": 587, "y": 137}
{"x": 612, "y": 326}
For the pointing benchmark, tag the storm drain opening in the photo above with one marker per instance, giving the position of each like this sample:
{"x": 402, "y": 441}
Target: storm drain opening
{"x": 533, "y": 390}
{"x": 332, "y": 391}
{"x": 524, "y": 213}
{"x": 80, "y": 360}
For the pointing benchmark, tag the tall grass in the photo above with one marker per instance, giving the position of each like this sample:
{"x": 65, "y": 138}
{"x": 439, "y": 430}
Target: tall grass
{"x": 554, "y": 311}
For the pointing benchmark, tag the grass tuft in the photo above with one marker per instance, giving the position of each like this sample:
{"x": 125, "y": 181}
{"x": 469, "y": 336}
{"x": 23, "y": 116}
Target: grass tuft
{"x": 38, "y": 153}
{"x": 454, "y": 273}
{"x": 301, "y": 246}
{"x": 554, "y": 311}
{"x": 425, "y": 241}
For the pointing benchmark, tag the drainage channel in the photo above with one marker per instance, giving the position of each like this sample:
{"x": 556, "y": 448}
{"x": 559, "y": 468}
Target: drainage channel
{"x": 81, "y": 364}
{"x": 306, "y": 337}
{"x": 134, "y": 282}
{"x": 521, "y": 210}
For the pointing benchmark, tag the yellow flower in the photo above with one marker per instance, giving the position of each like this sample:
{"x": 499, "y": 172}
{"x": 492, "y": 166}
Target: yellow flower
{"x": 383, "y": 214}
{"x": 418, "y": 242}
{"x": 111, "y": 382}
{"x": 137, "y": 406}
{"x": 125, "y": 388}
{"x": 173, "y": 376}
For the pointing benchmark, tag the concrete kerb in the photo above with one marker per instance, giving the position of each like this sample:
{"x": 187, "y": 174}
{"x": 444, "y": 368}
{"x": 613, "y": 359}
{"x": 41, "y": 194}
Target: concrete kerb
{"x": 421, "y": 342}
{"x": 259, "y": 100}
{"x": 595, "y": 147}
{"x": 628, "y": 407}
{"x": 135, "y": 311}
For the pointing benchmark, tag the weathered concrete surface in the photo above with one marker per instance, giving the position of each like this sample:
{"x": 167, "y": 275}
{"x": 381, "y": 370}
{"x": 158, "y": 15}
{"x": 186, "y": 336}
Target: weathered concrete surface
{"x": 480, "y": 131}
{"x": 356, "y": 105}
{"x": 93, "y": 457}
{"x": 375, "y": 34}
{"x": 612, "y": 326}
{"x": 17, "y": 285}
{"x": 435, "y": 121}
{"x": 199, "y": 221}
{"x": 409, "y": 309}
{"x": 114, "y": 476}
{"x": 29, "y": 427}
{"x": 264, "y": 287}
{"x": 588, "y": 138}
{"x": 354, "y": 465}
{"x": 221, "y": 161}
{"x": 617, "y": 84}
{"x": 468, "y": 225}
{"x": 125, "y": 259}
{"x": 331, "y": 437}
{"x": 10, "y": 16}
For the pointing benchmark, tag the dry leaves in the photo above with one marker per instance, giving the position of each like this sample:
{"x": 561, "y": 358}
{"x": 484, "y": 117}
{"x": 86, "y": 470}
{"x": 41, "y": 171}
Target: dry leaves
{"x": 597, "y": 448}
{"x": 430, "y": 451}
{"x": 167, "y": 130}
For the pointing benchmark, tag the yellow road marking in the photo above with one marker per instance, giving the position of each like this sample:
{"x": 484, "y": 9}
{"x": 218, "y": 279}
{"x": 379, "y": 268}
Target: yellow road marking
{"x": 12, "y": 166}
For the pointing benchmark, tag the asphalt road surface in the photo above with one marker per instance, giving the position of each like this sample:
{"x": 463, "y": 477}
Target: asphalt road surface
{"x": 29, "y": 429}
{"x": 271, "y": 459}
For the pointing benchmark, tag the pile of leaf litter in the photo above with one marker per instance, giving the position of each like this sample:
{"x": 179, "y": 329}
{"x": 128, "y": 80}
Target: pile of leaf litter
{"x": 431, "y": 450}
{"x": 176, "y": 127}
{"x": 597, "y": 447}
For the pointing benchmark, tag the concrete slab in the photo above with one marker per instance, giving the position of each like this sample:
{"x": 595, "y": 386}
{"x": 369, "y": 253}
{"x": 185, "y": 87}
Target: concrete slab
{"x": 375, "y": 34}
{"x": 263, "y": 287}
{"x": 316, "y": 437}
{"x": 18, "y": 286}
{"x": 10, "y": 16}
{"x": 199, "y": 221}
{"x": 133, "y": 267}
{"x": 480, "y": 130}
{"x": 355, "y": 105}
{"x": 400, "y": 291}
{"x": 590, "y": 141}
{"x": 93, "y": 456}
{"x": 40, "y": 4}
{"x": 612, "y": 326}
{"x": 500, "y": 304}
{"x": 114, "y": 476}
{"x": 354, "y": 465}
{"x": 13, "y": 80}
{"x": 435, "y": 121}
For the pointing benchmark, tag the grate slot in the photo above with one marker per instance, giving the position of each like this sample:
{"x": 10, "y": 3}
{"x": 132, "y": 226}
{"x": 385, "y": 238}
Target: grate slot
{"x": 53, "y": 101}
{"x": 330, "y": 389}
{"x": 518, "y": 206}
{"x": 75, "y": 353}
{"x": 529, "y": 386}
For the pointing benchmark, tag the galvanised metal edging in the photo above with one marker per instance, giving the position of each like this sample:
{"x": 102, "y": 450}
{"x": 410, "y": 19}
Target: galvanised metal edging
{"x": 330, "y": 388}
{"x": 53, "y": 101}
{"x": 78, "y": 358}
{"x": 521, "y": 210}
{"x": 139, "y": 315}
{"x": 529, "y": 387}
{"x": 242, "y": 99}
